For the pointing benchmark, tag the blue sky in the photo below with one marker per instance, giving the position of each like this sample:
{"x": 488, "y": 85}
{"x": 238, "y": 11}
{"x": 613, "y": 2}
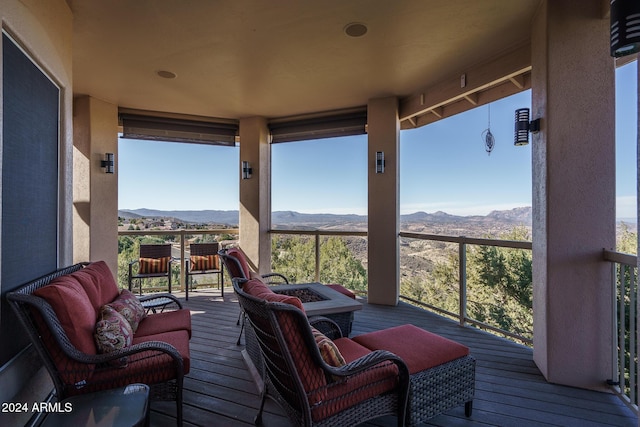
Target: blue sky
{"x": 443, "y": 167}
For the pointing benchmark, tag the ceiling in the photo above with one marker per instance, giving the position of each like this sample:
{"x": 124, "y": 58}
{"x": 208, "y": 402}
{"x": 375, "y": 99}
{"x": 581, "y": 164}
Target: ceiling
{"x": 243, "y": 58}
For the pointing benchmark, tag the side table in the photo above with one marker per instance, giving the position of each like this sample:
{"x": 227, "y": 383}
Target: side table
{"x": 122, "y": 407}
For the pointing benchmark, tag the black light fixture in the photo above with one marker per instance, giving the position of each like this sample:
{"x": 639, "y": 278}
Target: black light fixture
{"x": 108, "y": 163}
{"x": 524, "y": 126}
{"x": 625, "y": 27}
{"x": 379, "y": 161}
{"x": 247, "y": 170}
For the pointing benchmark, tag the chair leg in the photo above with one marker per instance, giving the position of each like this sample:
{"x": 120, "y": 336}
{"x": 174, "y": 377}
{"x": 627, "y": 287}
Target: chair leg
{"x": 241, "y": 329}
{"x": 468, "y": 407}
{"x": 258, "y": 419}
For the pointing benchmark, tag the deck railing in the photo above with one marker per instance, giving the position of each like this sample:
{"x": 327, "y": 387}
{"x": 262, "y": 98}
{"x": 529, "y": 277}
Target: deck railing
{"x": 463, "y": 243}
{"x": 319, "y": 238}
{"x": 624, "y": 272}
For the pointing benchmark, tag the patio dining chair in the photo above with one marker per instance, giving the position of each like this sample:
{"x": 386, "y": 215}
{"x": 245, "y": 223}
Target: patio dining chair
{"x": 154, "y": 261}
{"x": 203, "y": 259}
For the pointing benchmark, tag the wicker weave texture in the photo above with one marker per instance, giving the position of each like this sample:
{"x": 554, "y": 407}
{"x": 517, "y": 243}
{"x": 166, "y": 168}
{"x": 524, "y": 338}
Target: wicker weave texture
{"x": 436, "y": 390}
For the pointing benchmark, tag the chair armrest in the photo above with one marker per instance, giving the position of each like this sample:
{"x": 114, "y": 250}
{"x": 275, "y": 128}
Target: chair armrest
{"x": 159, "y": 347}
{"x": 272, "y": 282}
{"x": 369, "y": 361}
{"x": 133, "y": 262}
{"x": 327, "y": 326}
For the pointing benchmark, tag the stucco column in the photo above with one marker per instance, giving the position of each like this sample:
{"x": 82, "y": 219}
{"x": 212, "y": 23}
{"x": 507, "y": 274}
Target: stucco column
{"x": 95, "y": 193}
{"x": 383, "y": 129}
{"x": 573, "y": 92}
{"x": 255, "y": 193}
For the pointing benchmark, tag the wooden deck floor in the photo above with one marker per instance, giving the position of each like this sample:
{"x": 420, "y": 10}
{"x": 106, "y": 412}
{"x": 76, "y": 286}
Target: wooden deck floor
{"x": 510, "y": 391}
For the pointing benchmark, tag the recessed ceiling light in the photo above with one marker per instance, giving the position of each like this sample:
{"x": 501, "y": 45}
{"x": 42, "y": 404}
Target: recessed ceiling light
{"x": 355, "y": 29}
{"x": 166, "y": 74}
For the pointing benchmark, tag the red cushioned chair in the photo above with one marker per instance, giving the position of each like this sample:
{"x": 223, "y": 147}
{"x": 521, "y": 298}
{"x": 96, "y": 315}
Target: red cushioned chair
{"x": 371, "y": 384}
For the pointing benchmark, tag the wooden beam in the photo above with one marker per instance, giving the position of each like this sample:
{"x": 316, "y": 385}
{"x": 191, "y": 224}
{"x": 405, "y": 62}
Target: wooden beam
{"x": 478, "y": 78}
{"x": 499, "y": 91}
{"x": 472, "y": 98}
{"x": 518, "y": 81}
{"x": 438, "y": 111}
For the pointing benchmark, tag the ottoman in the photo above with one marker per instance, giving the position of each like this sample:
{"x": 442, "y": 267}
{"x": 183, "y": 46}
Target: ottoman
{"x": 442, "y": 373}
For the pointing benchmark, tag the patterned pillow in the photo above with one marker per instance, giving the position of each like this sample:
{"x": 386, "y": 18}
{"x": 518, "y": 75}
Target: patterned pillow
{"x": 328, "y": 349}
{"x": 153, "y": 265}
{"x": 112, "y": 333}
{"x": 129, "y": 307}
{"x": 204, "y": 262}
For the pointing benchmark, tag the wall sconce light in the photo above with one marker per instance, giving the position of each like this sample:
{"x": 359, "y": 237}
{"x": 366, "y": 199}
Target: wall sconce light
{"x": 247, "y": 170}
{"x": 625, "y": 27}
{"x": 379, "y": 161}
{"x": 524, "y": 126}
{"x": 108, "y": 163}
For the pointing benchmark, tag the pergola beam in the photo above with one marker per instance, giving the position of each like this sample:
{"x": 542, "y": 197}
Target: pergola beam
{"x": 511, "y": 67}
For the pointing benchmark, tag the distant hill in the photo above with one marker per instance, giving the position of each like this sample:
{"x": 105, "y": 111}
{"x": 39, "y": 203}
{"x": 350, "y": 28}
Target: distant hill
{"x": 517, "y": 216}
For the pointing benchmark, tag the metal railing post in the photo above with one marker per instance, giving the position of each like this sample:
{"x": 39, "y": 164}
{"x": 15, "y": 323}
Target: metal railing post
{"x": 317, "y": 256}
{"x": 182, "y": 263}
{"x": 462, "y": 279}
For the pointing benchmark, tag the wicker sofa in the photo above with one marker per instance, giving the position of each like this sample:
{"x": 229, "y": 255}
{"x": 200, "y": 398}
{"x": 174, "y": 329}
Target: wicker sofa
{"x": 68, "y": 315}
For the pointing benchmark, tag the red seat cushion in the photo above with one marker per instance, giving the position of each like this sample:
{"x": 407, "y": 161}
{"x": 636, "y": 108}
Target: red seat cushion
{"x": 350, "y": 349}
{"x": 153, "y": 324}
{"x": 418, "y": 348}
{"x": 344, "y": 394}
{"x": 178, "y": 339}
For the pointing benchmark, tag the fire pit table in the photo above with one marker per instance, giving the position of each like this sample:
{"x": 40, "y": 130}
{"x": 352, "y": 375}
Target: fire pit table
{"x": 320, "y": 300}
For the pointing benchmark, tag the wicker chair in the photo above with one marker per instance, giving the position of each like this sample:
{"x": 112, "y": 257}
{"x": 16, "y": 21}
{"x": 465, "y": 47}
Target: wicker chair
{"x": 311, "y": 392}
{"x": 154, "y": 261}
{"x": 203, "y": 259}
{"x": 236, "y": 263}
{"x": 74, "y": 372}
{"x": 237, "y": 266}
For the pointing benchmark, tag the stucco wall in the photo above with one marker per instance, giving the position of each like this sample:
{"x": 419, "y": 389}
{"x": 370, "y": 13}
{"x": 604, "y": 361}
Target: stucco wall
{"x": 44, "y": 31}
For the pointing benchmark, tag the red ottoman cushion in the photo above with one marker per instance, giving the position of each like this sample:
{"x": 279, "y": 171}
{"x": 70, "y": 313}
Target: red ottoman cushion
{"x": 418, "y": 348}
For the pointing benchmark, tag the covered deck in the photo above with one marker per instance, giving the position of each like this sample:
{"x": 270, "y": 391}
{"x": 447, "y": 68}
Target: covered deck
{"x": 510, "y": 390}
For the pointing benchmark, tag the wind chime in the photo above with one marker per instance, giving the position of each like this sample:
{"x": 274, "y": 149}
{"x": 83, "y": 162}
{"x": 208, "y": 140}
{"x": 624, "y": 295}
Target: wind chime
{"x": 487, "y": 136}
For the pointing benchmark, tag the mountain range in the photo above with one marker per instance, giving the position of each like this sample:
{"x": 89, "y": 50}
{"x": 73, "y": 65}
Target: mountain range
{"x": 516, "y": 216}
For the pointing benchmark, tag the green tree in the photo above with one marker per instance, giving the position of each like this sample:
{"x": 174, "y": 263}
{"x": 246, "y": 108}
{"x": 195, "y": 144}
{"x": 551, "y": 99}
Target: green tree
{"x": 295, "y": 258}
{"x": 499, "y": 285}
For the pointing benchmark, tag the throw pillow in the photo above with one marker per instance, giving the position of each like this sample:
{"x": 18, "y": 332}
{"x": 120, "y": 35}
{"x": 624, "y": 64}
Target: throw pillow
{"x": 130, "y": 307}
{"x": 153, "y": 265}
{"x": 112, "y": 332}
{"x": 328, "y": 349}
{"x": 204, "y": 262}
